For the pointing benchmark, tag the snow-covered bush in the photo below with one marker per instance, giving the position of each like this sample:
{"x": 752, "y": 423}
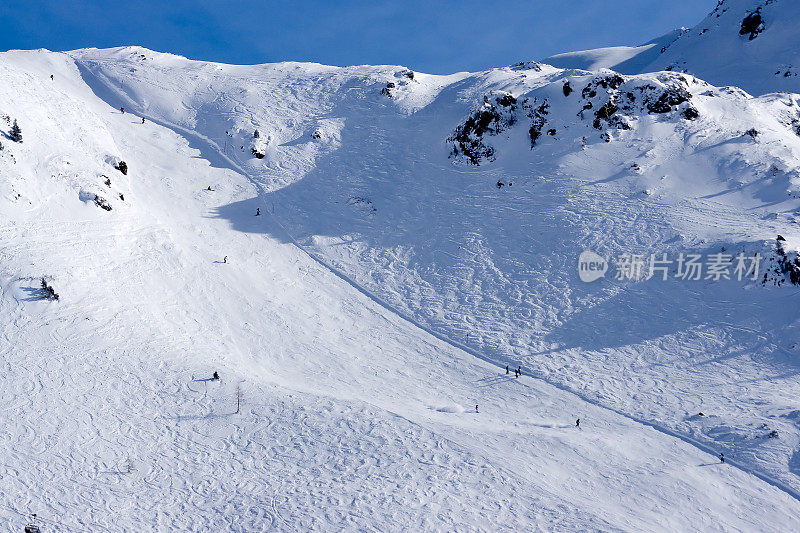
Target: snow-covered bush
{"x": 16, "y": 133}
{"x": 258, "y": 146}
{"x": 785, "y": 265}
{"x": 48, "y": 290}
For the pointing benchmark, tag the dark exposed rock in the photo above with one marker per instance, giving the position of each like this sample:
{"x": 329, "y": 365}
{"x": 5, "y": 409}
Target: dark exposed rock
{"x": 663, "y": 100}
{"x": 389, "y": 89}
{"x": 527, "y": 65}
{"x": 752, "y": 24}
{"x": 538, "y": 117}
{"x": 567, "y": 88}
{"x": 611, "y": 81}
{"x": 507, "y": 101}
{"x": 606, "y": 111}
{"x": 102, "y": 202}
{"x": 690, "y": 113}
{"x": 497, "y": 113}
{"x": 122, "y": 166}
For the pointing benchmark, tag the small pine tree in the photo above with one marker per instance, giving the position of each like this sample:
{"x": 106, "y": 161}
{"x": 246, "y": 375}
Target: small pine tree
{"x": 16, "y": 133}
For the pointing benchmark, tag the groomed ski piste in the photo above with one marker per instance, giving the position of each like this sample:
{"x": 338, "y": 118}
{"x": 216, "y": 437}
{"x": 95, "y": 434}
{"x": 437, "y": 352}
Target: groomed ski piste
{"x": 377, "y": 299}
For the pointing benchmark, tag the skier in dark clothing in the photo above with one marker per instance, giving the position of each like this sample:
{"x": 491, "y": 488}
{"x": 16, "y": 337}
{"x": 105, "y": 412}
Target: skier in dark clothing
{"x": 216, "y": 375}
{"x": 51, "y": 77}
{"x": 578, "y": 423}
{"x": 258, "y": 211}
{"x": 225, "y": 259}
{"x": 722, "y": 458}
{"x": 506, "y": 369}
{"x": 122, "y": 109}
{"x": 476, "y": 407}
{"x": 142, "y": 120}
{"x": 209, "y": 188}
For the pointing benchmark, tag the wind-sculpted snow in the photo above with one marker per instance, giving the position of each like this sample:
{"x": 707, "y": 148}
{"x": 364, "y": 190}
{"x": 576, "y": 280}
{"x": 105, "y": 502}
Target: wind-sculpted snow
{"x": 371, "y": 373}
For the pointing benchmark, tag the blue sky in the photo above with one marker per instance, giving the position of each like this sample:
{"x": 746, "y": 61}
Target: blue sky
{"x": 428, "y": 36}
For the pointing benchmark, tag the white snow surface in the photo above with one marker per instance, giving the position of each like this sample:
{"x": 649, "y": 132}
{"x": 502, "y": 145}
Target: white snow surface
{"x": 597, "y": 58}
{"x": 379, "y": 297}
{"x": 715, "y": 49}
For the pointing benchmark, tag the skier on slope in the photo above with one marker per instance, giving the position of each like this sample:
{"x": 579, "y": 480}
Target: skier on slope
{"x": 578, "y": 423}
{"x": 519, "y": 370}
{"x": 476, "y": 407}
{"x": 258, "y": 211}
{"x": 225, "y": 259}
{"x": 216, "y": 375}
{"x": 506, "y": 369}
{"x": 721, "y": 457}
{"x": 122, "y": 109}
{"x": 142, "y": 120}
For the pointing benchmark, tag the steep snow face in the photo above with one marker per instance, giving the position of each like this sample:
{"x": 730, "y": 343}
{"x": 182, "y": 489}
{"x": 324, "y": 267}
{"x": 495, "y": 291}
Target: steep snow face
{"x": 753, "y": 44}
{"x": 443, "y": 199}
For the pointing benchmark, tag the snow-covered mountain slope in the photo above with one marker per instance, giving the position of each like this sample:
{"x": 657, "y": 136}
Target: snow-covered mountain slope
{"x": 751, "y": 44}
{"x": 625, "y": 59}
{"x": 357, "y": 364}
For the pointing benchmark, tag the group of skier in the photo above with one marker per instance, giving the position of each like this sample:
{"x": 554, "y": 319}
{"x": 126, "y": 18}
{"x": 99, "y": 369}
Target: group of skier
{"x": 517, "y": 371}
